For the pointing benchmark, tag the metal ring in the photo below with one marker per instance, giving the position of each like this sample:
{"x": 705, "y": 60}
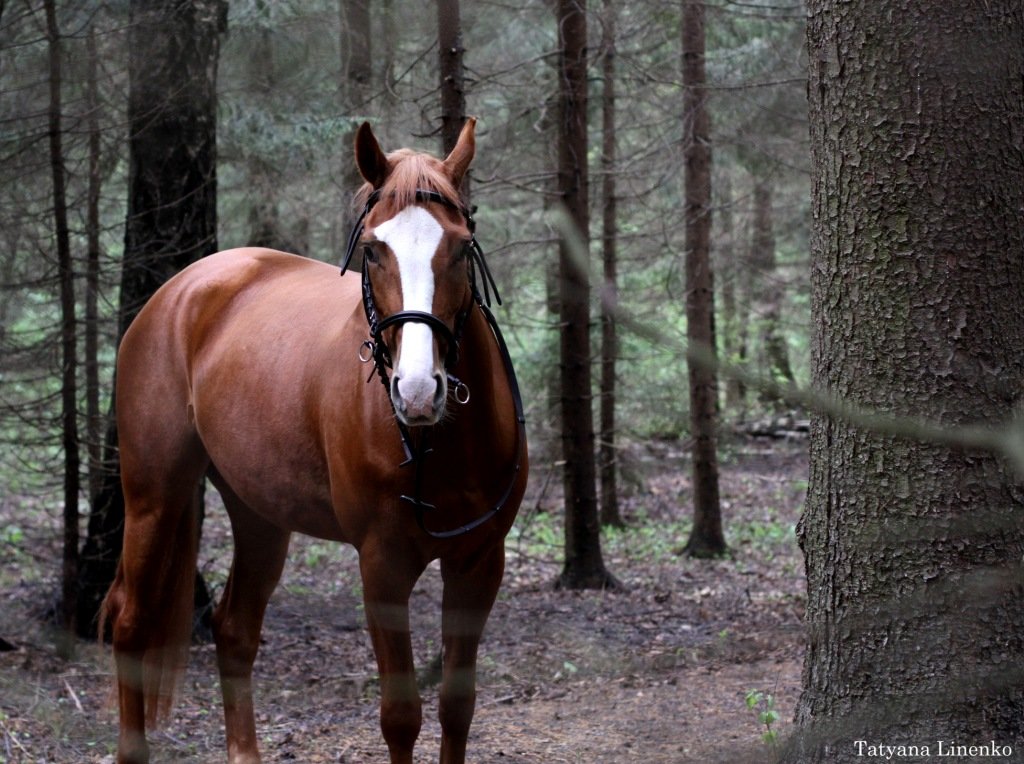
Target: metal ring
{"x": 370, "y": 347}
{"x": 461, "y": 393}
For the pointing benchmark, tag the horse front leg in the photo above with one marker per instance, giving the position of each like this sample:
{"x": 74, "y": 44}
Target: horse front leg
{"x": 388, "y": 578}
{"x": 469, "y": 592}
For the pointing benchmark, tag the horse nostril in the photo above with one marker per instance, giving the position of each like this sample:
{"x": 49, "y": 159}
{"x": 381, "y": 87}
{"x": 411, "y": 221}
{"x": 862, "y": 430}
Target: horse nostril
{"x": 440, "y": 392}
{"x": 396, "y": 393}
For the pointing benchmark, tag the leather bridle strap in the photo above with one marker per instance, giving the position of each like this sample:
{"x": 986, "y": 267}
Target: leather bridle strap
{"x": 436, "y": 325}
{"x": 421, "y": 507}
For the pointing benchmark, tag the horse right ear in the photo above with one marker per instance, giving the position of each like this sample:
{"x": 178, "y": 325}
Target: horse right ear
{"x": 370, "y": 160}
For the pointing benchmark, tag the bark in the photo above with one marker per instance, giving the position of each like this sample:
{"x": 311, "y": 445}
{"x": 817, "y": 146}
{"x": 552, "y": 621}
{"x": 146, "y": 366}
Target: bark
{"x": 706, "y": 538}
{"x": 172, "y": 210}
{"x": 913, "y": 550}
{"x": 68, "y": 342}
{"x": 584, "y": 564}
{"x": 607, "y": 453}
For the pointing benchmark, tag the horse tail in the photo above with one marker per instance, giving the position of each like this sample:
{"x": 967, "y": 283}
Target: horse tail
{"x": 149, "y": 607}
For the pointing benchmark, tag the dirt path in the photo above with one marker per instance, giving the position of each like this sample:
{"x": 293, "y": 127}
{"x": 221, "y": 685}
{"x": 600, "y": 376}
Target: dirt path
{"x": 655, "y": 674}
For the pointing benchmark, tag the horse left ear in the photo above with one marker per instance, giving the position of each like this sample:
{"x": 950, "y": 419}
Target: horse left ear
{"x": 370, "y": 160}
{"x": 457, "y": 163}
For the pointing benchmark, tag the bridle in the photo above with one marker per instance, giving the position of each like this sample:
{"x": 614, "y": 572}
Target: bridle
{"x": 375, "y": 349}
{"x": 376, "y": 345}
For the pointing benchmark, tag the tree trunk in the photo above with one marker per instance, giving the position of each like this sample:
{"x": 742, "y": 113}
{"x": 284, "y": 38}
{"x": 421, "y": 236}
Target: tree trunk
{"x": 915, "y": 609}
{"x": 584, "y": 564}
{"x": 264, "y": 177}
{"x": 453, "y": 81}
{"x": 356, "y": 52}
{"x": 706, "y": 538}
{"x": 356, "y": 84}
{"x": 734, "y": 315}
{"x": 607, "y": 454}
{"x": 93, "y": 418}
{"x": 68, "y": 342}
{"x": 769, "y": 304}
{"x": 172, "y": 209}
{"x": 389, "y": 41}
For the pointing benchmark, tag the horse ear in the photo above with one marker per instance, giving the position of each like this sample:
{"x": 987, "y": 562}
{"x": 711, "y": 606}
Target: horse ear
{"x": 457, "y": 162}
{"x": 370, "y": 160}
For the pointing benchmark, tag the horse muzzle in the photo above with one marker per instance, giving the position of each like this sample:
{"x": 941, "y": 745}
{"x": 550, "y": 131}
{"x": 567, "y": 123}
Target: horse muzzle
{"x": 419, "y": 400}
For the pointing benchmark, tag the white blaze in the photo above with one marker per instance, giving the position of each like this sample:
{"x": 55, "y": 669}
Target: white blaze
{"x": 414, "y": 235}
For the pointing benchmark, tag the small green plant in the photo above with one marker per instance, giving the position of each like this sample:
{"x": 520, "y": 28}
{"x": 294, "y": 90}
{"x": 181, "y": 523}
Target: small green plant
{"x": 316, "y": 554}
{"x": 568, "y": 669}
{"x": 763, "y": 706}
{"x": 12, "y": 535}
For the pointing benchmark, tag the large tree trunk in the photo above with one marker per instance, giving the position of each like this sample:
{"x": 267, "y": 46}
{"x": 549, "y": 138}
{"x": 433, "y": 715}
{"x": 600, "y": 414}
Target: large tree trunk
{"x": 68, "y": 342}
{"x": 584, "y": 564}
{"x": 706, "y": 538}
{"x": 915, "y": 609}
{"x": 172, "y": 209}
{"x": 608, "y": 459}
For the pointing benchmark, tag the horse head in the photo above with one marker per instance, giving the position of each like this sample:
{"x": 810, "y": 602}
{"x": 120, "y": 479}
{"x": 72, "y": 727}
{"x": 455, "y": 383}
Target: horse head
{"x": 416, "y": 243}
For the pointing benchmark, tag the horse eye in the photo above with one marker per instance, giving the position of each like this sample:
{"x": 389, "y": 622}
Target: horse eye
{"x": 369, "y": 253}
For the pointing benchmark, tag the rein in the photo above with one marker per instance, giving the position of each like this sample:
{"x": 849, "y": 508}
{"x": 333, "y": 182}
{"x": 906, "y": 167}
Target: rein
{"x": 380, "y": 354}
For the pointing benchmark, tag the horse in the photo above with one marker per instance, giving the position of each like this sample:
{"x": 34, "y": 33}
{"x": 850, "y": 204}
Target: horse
{"x": 254, "y": 368}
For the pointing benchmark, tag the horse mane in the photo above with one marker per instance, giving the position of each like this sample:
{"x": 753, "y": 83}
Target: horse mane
{"x": 411, "y": 171}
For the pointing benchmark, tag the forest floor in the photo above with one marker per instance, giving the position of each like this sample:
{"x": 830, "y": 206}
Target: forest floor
{"x": 656, "y": 673}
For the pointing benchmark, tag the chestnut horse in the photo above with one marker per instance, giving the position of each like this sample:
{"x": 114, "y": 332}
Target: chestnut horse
{"x": 245, "y": 367}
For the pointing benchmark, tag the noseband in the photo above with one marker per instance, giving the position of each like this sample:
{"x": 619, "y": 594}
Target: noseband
{"x": 380, "y": 354}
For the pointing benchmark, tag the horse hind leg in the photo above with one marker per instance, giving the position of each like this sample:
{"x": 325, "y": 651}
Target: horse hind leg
{"x": 149, "y": 605}
{"x": 260, "y": 551}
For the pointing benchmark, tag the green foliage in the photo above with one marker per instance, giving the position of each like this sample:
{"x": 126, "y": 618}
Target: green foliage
{"x": 766, "y": 536}
{"x": 540, "y": 535}
{"x": 11, "y": 536}
{"x": 762, "y": 704}
{"x": 644, "y": 539}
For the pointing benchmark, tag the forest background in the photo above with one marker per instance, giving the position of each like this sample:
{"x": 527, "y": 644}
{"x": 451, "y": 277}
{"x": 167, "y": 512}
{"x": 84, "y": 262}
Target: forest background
{"x": 286, "y": 111}
{"x": 292, "y": 80}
